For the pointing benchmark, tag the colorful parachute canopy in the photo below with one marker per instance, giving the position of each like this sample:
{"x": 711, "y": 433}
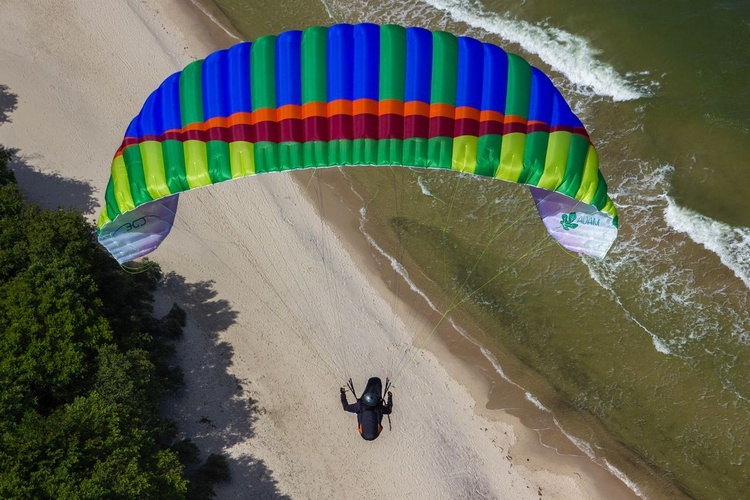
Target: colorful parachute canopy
{"x": 356, "y": 95}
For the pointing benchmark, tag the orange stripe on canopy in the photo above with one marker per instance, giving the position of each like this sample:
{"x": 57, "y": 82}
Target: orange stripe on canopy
{"x": 515, "y": 119}
{"x": 340, "y": 107}
{"x": 217, "y": 121}
{"x": 288, "y": 111}
{"x": 391, "y": 107}
{"x": 444, "y": 110}
{"x": 314, "y": 108}
{"x": 241, "y": 118}
{"x": 194, "y": 126}
{"x": 365, "y": 106}
{"x": 467, "y": 113}
{"x": 418, "y": 108}
{"x": 489, "y": 115}
{"x": 263, "y": 115}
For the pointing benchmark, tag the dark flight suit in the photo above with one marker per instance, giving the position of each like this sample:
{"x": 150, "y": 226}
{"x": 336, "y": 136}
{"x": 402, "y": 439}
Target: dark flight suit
{"x": 369, "y": 418}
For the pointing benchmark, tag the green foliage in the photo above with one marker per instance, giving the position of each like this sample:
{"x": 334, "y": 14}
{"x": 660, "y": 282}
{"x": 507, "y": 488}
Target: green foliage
{"x": 6, "y": 175}
{"x": 11, "y": 208}
{"x": 83, "y": 365}
{"x": 50, "y": 313}
{"x": 87, "y": 449}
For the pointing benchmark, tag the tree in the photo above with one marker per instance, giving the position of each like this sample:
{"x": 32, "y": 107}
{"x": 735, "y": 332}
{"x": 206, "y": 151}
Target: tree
{"x": 83, "y": 364}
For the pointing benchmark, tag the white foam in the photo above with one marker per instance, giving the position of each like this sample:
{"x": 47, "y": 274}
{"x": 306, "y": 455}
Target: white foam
{"x": 731, "y": 244}
{"x": 580, "y": 444}
{"x": 586, "y": 448}
{"x": 659, "y": 345}
{"x": 622, "y": 477}
{"x": 570, "y": 54}
{"x": 423, "y": 187}
{"x": 213, "y": 19}
{"x": 536, "y": 402}
{"x": 597, "y": 273}
{"x": 395, "y": 264}
{"x": 659, "y": 229}
{"x": 566, "y": 53}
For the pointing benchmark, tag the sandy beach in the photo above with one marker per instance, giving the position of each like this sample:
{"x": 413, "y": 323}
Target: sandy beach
{"x": 259, "y": 386}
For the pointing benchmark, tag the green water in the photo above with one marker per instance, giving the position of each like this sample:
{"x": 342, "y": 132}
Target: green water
{"x": 585, "y": 360}
{"x": 645, "y": 356}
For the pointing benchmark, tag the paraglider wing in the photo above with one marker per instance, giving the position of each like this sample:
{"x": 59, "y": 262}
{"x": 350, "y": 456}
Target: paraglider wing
{"x": 138, "y": 232}
{"x": 356, "y": 95}
{"x": 575, "y": 225}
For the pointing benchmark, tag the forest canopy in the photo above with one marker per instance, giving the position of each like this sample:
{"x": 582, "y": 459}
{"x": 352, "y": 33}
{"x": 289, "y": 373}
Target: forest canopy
{"x": 83, "y": 366}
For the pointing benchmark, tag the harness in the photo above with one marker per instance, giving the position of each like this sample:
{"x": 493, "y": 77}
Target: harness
{"x": 370, "y": 414}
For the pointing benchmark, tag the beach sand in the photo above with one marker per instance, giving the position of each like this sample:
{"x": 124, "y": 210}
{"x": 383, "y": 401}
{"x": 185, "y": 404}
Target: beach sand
{"x": 259, "y": 386}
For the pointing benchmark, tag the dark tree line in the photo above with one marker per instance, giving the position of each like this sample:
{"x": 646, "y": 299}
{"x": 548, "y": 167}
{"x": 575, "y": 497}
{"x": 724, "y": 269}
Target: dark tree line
{"x": 83, "y": 365}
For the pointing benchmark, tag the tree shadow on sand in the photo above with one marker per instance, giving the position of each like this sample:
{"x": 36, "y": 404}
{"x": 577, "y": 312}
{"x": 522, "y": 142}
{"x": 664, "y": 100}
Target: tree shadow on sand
{"x": 48, "y": 190}
{"x": 51, "y": 190}
{"x": 8, "y": 103}
{"x": 214, "y": 409}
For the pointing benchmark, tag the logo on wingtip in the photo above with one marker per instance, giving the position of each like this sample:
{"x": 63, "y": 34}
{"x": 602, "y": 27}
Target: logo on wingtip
{"x": 567, "y": 221}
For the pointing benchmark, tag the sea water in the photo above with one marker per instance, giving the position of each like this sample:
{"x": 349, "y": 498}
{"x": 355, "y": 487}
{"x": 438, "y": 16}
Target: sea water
{"x": 643, "y": 357}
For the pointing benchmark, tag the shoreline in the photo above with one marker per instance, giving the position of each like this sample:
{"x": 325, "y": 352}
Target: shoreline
{"x": 474, "y": 366}
{"x": 472, "y": 375}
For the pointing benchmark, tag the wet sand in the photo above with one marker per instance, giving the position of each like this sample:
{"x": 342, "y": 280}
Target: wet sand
{"x": 541, "y": 444}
